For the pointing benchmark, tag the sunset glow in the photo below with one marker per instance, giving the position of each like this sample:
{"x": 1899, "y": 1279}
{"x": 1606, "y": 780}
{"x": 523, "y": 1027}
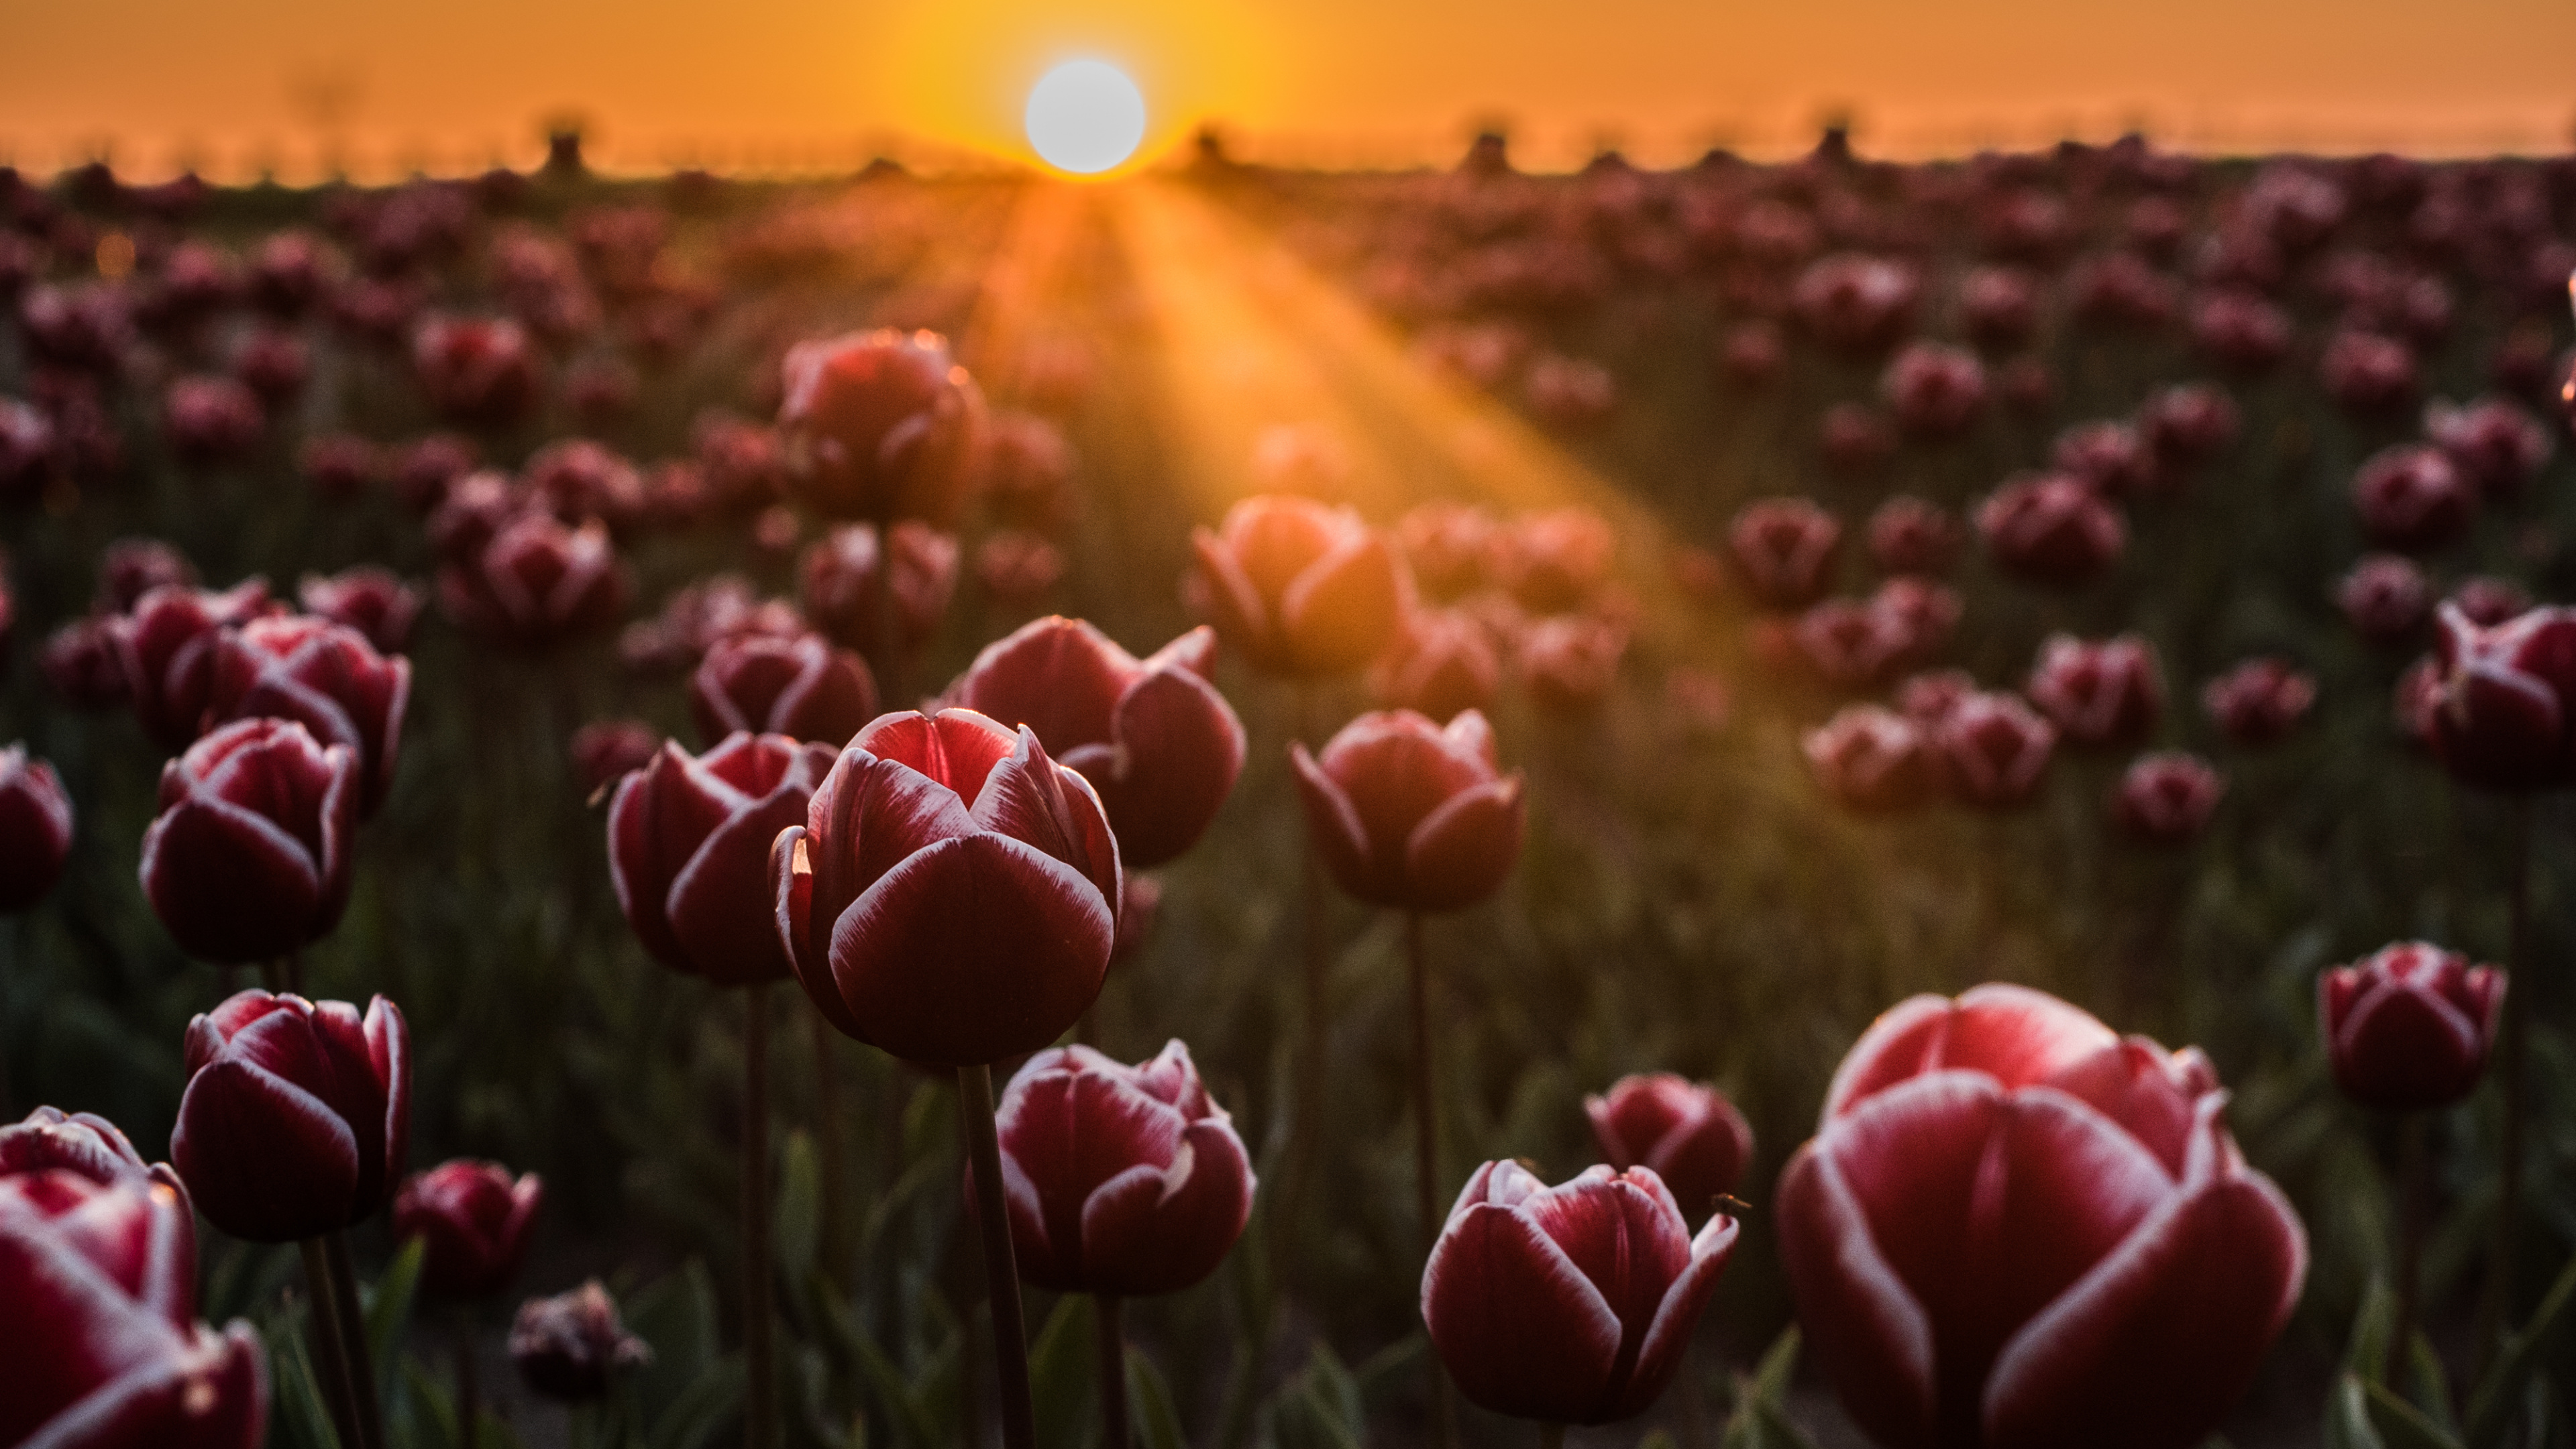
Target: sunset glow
{"x": 1085, "y": 117}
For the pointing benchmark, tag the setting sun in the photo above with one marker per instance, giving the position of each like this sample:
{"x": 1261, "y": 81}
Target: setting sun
{"x": 1085, "y": 116}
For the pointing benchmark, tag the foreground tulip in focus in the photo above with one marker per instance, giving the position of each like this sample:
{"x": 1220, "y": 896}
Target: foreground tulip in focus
{"x": 2016, "y": 1228}
{"x": 1571, "y": 1304}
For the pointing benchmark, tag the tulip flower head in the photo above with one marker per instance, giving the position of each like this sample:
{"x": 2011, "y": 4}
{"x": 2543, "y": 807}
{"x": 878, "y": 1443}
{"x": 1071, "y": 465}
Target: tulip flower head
{"x": 1688, "y": 1132}
{"x": 1785, "y": 549}
{"x": 2167, "y": 798}
{"x": 324, "y": 676}
{"x": 688, "y": 850}
{"x": 1409, "y": 815}
{"x": 572, "y": 1346}
{"x": 2409, "y": 1028}
{"x": 800, "y": 687}
{"x": 2105, "y": 692}
{"x": 953, "y": 895}
{"x": 249, "y": 857}
{"x": 35, "y": 829}
{"x": 2503, "y": 700}
{"x": 472, "y": 1219}
{"x": 1121, "y": 1180}
{"x": 1300, "y": 588}
{"x": 1570, "y": 1304}
{"x": 2015, "y": 1228}
{"x": 297, "y": 1115}
{"x": 881, "y": 425}
{"x": 1873, "y": 760}
{"x": 2260, "y": 701}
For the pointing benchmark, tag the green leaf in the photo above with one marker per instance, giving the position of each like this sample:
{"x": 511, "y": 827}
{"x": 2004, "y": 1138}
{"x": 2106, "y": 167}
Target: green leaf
{"x": 1383, "y": 1371}
{"x": 1779, "y": 1363}
{"x": 703, "y": 1408}
{"x": 2428, "y": 1385}
{"x": 2348, "y": 1424}
{"x": 676, "y": 1314}
{"x": 303, "y": 1420}
{"x": 2400, "y": 1424}
{"x": 430, "y": 1403}
{"x": 2365, "y": 1355}
{"x": 1149, "y": 1401}
{"x": 2491, "y": 1406}
{"x": 913, "y": 1423}
{"x": 1061, "y": 1365}
{"x": 799, "y": 1236}
{"x": 388, "y": 1309}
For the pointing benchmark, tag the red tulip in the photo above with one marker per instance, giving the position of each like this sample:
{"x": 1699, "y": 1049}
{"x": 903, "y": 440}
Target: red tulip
{"x": 1909, "y": 535}
{"x": 2415, "y": 700}
{"x": 339, "y": 465}
{"x": 2109, "y": 457}
{"x": 1688, "y": 1133}
{"x": 838, "y": 583}
{"x": 324, "y": 676}
{"x": 472, "y": 1220}
{"x": 688, "y": 843}
{"x": 472, "y": 510}
{"x": 2105, "y": 692}
{"x": 2409, "y": 1028}
{"x": 1017, "y": 568}
{"x": 1785, "y": 548}
{"x": 35, "y": 829}
{"x": 2503, "y": 700}
{"x": 424, "y": 471}
{"x": 1928, "y": 698}
{"x": 579, "y": 480}
{"x": 2015, "y": 1229}
{"x": 2488, "y": 602}
{"x": 1857, "y": 304}
{"x": 2412, "y": 499}
{"x": 1156, "y": 740}
{"x": 297, "y": 1115}
{"x": 1030, "y": 483}
{"x": 1993, "y": 750}
{"x": 1569, "y": 392}
{"x": 1855, "y": 439}
{"x": 2120, "y": 289}
{"x": 27, "y": 450}
{"x": 2240, "y": 330}
{"x": 2497, "y": 446}
{"x": 2387, "y": 598}
{"x": 167, "y": 647}
{"x": 1441, "y": 663}
{"x": 571, "y": 1347}
{"x": 745, "y": 463}
{"x": 477, "y": 372}
{"x": 536, "y": 582}
{"x": 1999, "y": 307}
{"x": 367, "y": 598}
{"x": 1571, "y": 1304}
{"x": 1935, "y": 391}
{"x": 98, "y": 1267}
{"x": 249, "y": 857}
{"x": 1919, "y": 613}
{"x": 2027, "y": 387}
{"x": 973, "y": 918}
{"x": 2186, "y": 424}
{"x": 603, "y": 751}
{"x": 1849, "y": 644}
{"x": 802, "y": 688}
{"x": 1121, "y": 1180}
{"x": 1872, "y": 760}
{"x": 880, "y": 426}
{"x": 1552, "y": 562}
{"x": 2259, "y": 701}
{"x": 2369, "y": 376}
{"x": 1752, "y": 353}
{"x": 212, "y": 420}
{"x": 2167, "y": 798}
{"x": 1446, "y": 546}
{"x": 2051, "y": 530}
{"x": 1409, "y": 815}
{"x": 1300, "y": 588}
{"x": 274, "y": 365}
{"x": 1569, "y": 662}
{"x": 82, "y": 663}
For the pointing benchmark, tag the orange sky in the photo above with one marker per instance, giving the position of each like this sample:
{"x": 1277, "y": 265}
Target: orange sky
{"x": 235, "y": 84}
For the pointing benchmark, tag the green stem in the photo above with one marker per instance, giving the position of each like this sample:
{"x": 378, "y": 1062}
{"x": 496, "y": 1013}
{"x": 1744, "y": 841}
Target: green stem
{"x": 1426, "y": 1152}
{"x": 330, "y": 1356}
{"x": 2414, "y": 1174}
{"x": 760, "y": 1393}
{"x": 352, "y": 1323}
{"x": 2495, "y": 1305}
{"x": 1001, "y": 1273}
{"x": 1306, "y": 1128}
{"x": 469, "y": 1402}
{"x": 1111, "y": 1331}
{"x": 827, "y": 1134}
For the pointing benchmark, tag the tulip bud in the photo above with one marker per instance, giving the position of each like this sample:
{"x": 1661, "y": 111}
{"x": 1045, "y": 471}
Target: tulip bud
{"x": 166, "y": 648}
{"x": 1993, "y": 750}
{"x": 2496, "y": 446}
{"x": 81, "y": 662}
{"x": 477, "y": 372}
{"x": 1571, "y": 1304}
{"x": 2503, "y": 699}
{"x": 1409, "y": 815}
{"x": 1300, "y": 588}
{"x": 1157, "y": 1192}
{"x": 324, "y": 676}
{"x": 1935, "y": 391}
{"x": 2259, "y": 701}
{"x": 1909, "y": 536}
{"x": 838, "y": 583}
{"x": 537, "y": 582}
{"x": 2408, "y": 1029}
{"x": 2387, "y": 598}
{"x": 35, "y": 829}
{"x": 2413, "y": 499}
{"x": 2369, "y": 376}
{"x": 2187, "y": 424}
{"x": 571, "y": 1347}
{"x": 603, "y": 751}
{"x": 1158, "y": 743}
{"x": 100, "y": 1254}
{"x": 472, "y": 1220}
{"x": 2105, "y": 692}
{"x": 1569, "y": 662}
{"x": 1441, "y": 663}
{"x": 2167, "y": 798}
{"x": 1857, "y": 305}
{"x": 297, "y": 1115}
{"x": 802, "y": 688}
{"x": 688, "y": 845}
{"x": 212, "y": 421}
{"x": 2108, "y": 457}
{"x": 2014, "y": 1227}
{"x": 2051, "y": 530}
{"x": 249, "y": 857}
{"x": 1688, "y": 1133}
{"x": 953, "y": 895}
{"x": 1552, "y": 562}
{"x": 1446, "y": 546}
{"x": 880, "y": 426}
{"x": 1785, "y": 547}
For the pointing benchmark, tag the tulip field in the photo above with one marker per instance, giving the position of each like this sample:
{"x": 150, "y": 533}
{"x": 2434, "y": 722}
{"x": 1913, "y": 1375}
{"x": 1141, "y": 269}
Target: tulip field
{"x": 1808, "y": 802}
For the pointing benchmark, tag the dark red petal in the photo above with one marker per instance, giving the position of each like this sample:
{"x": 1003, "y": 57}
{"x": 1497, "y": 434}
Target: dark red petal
{"x": 1519, "y": 1326}
{"x": 264, "y": 1159}
{"x": 1461, "y": 851}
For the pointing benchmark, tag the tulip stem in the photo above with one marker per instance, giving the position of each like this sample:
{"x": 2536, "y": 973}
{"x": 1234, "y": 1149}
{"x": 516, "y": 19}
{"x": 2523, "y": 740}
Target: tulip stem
{"x": 352, "y": 1322}
{"x": 2414, "y": 1174}
{"x": 2495, "y": 1304}
{"x": 330, "y": 1357}
{"x": 759, "y": 1405}
{"x": 469, "y": 1402}
{"x": 1001, "y": 1272}
{"x": 1426, "y": 1150}
{"x": 1306, "y": 1127}
{"x": 827, "y": 1133}
{"x": 1111, "y": 1329}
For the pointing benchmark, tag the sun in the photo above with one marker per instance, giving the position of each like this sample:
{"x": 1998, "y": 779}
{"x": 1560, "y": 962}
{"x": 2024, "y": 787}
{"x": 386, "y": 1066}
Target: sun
{"x": 1085, "y": 117}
